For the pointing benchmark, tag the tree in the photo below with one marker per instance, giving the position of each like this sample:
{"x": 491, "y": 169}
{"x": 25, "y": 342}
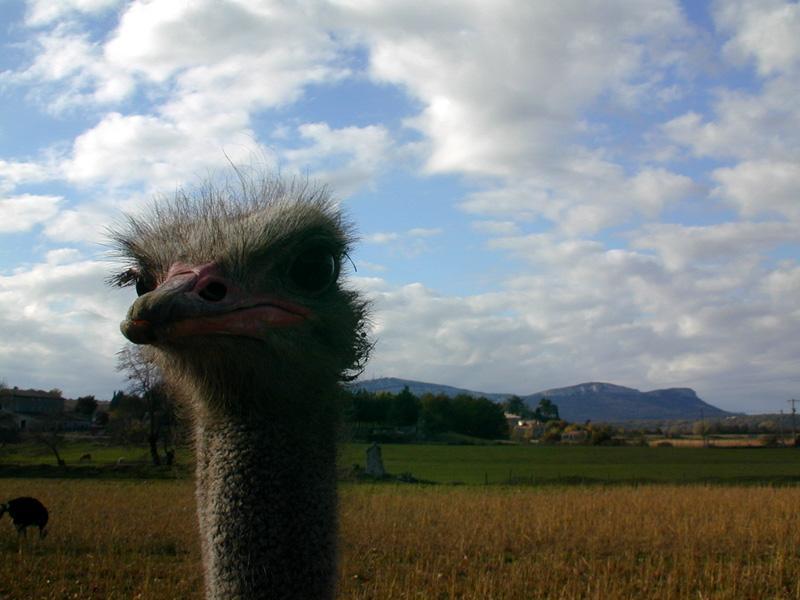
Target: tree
{"x": 546, "y": 411}
{"x": 403, "y": 409}
{"x": 145, "y": 381}
{"x": 128, "y": 406}
{"x": 516, "y": 406}
{"x": 50, "y": 436}
{"x": 51, "y": 439}
{"x": 601, "y": 435}
{"x": 478, "y": 417}
{"x": 435, "y": 414}
{"x": 369, "y": 408}
{"x": 100, "y": 418}
{"x": 86, "y": 405}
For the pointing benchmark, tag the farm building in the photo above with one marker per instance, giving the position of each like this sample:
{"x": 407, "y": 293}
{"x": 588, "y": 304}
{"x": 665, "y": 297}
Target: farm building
{"x": 524, "y": 430}
{"x": 576, "y": 436}
{"x": 34, "y": 402}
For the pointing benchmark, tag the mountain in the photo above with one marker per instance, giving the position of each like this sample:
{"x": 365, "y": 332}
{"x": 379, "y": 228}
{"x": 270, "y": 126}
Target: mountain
{"x": 394, "y": 385}
{"x": 607, "y": 402}
{"x": 593, "y": 400}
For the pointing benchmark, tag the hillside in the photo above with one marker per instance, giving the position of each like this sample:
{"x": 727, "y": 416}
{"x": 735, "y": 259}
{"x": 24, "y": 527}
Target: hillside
{"x": 607, "y": 402}
{"x": 395, "y": 385}
{"x": 594, "y": 401}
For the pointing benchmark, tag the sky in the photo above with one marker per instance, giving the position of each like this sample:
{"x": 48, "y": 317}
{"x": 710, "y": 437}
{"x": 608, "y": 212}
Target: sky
{"x": 546, "y": 193}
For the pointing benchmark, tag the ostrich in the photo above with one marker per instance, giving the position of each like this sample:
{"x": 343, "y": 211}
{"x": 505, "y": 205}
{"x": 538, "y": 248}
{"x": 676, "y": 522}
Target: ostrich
{"x": 242, "y": 306}
{"x": 26, "y": 511}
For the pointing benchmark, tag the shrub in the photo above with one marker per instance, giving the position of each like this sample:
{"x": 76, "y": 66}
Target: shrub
{"x": 551, "y": 436}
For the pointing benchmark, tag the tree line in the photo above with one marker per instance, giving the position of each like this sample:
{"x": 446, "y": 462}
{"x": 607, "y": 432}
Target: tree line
{"x": 385, "y": 416}
{"x": 405, "y": 416}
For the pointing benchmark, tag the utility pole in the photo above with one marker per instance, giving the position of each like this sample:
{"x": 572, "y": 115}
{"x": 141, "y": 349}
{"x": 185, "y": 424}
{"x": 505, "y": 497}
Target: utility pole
{"x": 780, "y": 428}
{"x": 793, "y": 402}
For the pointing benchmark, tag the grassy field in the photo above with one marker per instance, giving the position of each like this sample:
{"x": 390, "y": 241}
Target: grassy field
{"x": 102, "y": 453}
{"x": 108, "y": 539}
{"x": 123, "y": 539}
{"x": 495, "y": 464}
{"x": 587, "y": 464}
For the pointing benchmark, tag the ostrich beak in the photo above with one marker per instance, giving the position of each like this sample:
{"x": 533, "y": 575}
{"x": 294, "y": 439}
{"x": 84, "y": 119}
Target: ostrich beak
{"x": 200, "y": 301}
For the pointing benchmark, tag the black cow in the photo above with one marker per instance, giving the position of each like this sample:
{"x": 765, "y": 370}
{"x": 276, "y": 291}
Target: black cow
{"x": 26, "y": 511}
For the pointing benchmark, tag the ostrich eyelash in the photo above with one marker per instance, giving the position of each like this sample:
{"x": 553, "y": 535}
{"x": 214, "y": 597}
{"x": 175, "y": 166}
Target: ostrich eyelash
{"x": 126, "y": 278}
{"x": 350, "y": 260}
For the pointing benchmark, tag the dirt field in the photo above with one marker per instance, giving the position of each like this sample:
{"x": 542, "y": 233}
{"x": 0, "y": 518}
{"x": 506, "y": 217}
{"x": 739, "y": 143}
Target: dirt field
{"x": 113, "y": 539}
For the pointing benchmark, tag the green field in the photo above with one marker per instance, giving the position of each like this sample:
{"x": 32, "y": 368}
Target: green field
{"x": 71, "y": 451}
{"x": 585, "y": 464}
{"x": 495, "y": 464}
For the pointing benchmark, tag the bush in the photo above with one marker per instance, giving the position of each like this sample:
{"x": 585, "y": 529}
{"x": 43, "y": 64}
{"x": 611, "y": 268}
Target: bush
{"x": 551, "y": 437}
{"x": 600, "y": 437}
{"x": 770, "y": 440}
{"x": 9, "y": 435}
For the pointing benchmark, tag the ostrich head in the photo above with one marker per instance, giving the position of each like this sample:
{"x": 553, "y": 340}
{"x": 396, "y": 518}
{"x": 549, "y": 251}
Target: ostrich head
{"x": 240, "y": 294}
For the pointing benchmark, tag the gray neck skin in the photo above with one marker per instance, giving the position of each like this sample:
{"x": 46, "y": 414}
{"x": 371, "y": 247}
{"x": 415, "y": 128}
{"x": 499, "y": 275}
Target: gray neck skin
{"x": 266, "y": 496}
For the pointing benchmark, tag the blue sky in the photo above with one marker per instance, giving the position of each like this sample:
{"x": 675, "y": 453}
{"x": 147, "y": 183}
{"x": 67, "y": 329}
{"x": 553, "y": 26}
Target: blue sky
{"x": 547, "y": 193}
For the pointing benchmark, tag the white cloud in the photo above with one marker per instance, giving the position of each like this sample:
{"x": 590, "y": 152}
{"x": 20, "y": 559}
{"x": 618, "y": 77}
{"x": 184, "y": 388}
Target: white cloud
{"x": 586, "y": 195}
{"x": 14, "y": 173}
{"x": 764, "y": 30}
{"x": 762, "y": 187}
{"x": 60, "y": 325}
{"x": 502, "y": 88}
{"x": 425, "y": 231}
{"x": 370, "y": 266}
{"x": 682, "y": 246}
{"x": 653, "y": 189}
{"x": 43, "y": 12}
{"x": 783, "y": 285}
{"x": 153, "y": 151}
{"x": 409, "y": 244}
{"x": 521, "y": 201}
{"x": 86, "y": 224}
{"x": 21, "y": 213}
{"x": 205, "y": 85}
{"x": 347, "y": 158}
{"x": 381, "y": 237}
{"x": 61, "y": 256}
{"x": 496, "y": 228}
{"x": 749, "y": 126}
{"x": 163, "y": 38}
{"x": 70, "y": 71}
{"x": 185, "y": 49}
{"x": 275, "y": 52}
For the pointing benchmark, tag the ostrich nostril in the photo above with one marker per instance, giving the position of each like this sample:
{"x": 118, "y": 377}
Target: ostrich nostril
{"x": 213, "y": 292}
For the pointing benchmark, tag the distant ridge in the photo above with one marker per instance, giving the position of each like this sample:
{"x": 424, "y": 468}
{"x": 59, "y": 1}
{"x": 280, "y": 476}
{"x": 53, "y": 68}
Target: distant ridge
{"x": 395, "y": 385}
{"x": 595, "y": 401}
{"x": 599, "y": 401}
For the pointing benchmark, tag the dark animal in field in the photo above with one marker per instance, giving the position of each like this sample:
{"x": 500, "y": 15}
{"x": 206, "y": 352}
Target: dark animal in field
{"x": 85, "y": 458}
{"x": 26, "y": 512}
{"x": 242, "y": 305}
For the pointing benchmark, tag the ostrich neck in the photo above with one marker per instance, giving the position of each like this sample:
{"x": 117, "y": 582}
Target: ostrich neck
{"x": 267, "y": 504}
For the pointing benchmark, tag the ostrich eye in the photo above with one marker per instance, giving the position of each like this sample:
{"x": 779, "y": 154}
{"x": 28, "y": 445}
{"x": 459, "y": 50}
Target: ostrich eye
{"x": 314, "y": 270}
{"x": 144, "y": 285}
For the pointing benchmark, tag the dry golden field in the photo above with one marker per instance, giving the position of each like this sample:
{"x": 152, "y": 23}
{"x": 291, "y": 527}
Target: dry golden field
{"x": 112, "y": 539}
